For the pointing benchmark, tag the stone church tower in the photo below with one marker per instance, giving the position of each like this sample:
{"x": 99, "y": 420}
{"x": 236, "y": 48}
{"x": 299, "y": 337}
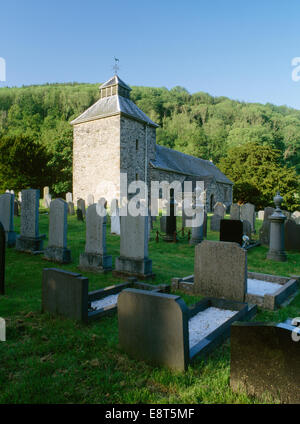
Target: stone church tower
{"x": 112, "y": 137}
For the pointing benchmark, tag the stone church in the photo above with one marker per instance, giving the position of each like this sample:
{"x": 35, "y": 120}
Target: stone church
{"x": 114, "y": 136}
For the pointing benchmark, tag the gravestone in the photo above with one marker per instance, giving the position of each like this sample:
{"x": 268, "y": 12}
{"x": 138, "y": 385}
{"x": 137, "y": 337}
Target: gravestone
{"x": 69, "y": 197}
{"x": 16, "y": 208}
{"x": 261, "y": 215}
{"x": 2, "y": 259}
{"x": 20, "y": 197}
{"x": 90, "y": 200}
{"x": 276, "y": 247}
{"x": 292, "y": 235}
{"x": 235, "y": 212}
{"x": 264, "y": 232}
{"x": 65, "y": 293}
{"x": 57, "y": 250}
{"x": 30, "y": 240}
{"x": 170, "y": 219}
{"x": 247, "y": 228}
{"x": 133, "y": 260}
{"x": 115, "y": 217}
{"x": 231, "y": 230}
{"x": 220, "y": 209}
{"x": 81, "y": 206}
{"x": 7, "y": 218}
{"x": 198, "y": 226}
{"x": 163, "y": 224}
{"x": 265, "y": 360}
{"x": 45, "y": 191}
{"x": 247, "y": 212}
{"x": 71, "y": 210}
{"x": 215, "y": 222}
{"x": 95, "y": 258}
{"x": 167, "y": 342}
{"x": 220, "y": 270}
{"x": 47, "y": 201}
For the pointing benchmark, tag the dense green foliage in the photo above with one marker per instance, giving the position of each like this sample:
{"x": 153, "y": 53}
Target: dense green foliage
{"x": 197, "y": 124}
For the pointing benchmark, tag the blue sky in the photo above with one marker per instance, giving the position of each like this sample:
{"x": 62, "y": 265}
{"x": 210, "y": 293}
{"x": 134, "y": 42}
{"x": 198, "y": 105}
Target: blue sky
{"x": 240, "y": 49}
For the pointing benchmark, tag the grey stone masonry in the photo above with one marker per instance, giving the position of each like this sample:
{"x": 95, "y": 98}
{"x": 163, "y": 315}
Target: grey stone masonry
{"x": 57, "y": 245}
{"x": 133, "y": 258}
{"x": 30, "y": 240}
{"x": 7, "y": 217}
{"x": 95, "y": 258}
{"x": 65, "y": 293}
{"x": 220, "y": 270}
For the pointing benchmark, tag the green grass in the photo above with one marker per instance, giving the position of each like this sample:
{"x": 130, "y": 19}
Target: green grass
{"x": 55, "y": 360}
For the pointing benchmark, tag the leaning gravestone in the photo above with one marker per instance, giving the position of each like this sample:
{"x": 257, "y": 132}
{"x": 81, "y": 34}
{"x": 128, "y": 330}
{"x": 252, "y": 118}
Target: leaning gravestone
{"x": 30, "y": 240}
{"x": 115, "y": 217}
{"x": 57, "y": 250}
{"x": 81, "y": 206}
{"x": 95, "y": 258}
{"x": 248, "y": 214}
{"x": 231, "y": 230}
{"x": 7, "y": 218}
{"x": 133, "y": 260}
{"x": 2, "y": 259}
{"x": 265, "y": 360}
{"x": 235, "y": 212}
{"x": 220, "y": 270}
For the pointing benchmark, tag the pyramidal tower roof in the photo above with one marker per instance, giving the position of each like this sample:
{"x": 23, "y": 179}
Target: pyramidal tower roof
{"x": 114, "y": 100}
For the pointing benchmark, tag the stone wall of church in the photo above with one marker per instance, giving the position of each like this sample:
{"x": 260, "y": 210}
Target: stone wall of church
{"x": 96, "y": 159}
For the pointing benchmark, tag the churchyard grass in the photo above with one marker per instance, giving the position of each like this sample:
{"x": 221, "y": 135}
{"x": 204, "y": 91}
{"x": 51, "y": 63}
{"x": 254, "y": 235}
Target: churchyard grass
{"x": 55, "y": 360}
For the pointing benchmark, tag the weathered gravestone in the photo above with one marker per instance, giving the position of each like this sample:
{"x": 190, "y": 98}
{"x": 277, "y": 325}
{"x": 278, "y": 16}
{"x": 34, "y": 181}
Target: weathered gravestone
{"x": 198, "y": 224}
{"x": 292, "y": 235}
{"x": 220, "y": 209}
{"x": 30, "y": 240}
{"x": 235, "y": 212}
{"x": 296, "y": 215}
{"x": 69, "y": 197}
{"x": 220, "y": 270}
{"x": 95, "y": 258}
{"x": 2, "y": 259}
{"x": 264, "y": 232}
{"x": 71, "y": 210}
{"x": 81, "y": 206}
{"x": 167, "y": 342}
{"x": 163, "y": 223}
{"x": 114, "y": 217}
{"x": 7, "y": 218}
{"x": 170, "y": 219}
{"x": 231, "y": 230}
{"x": 65, "y": 293}
{"x": 47, "y": 201}
{"x": 133, "y": 260}
{"x": 219, "y": 213}
{"x": 248, "y": 214}
{"x": 265, "y": 360}
{"x": 57, "y": 245}
{"x": 261, "y": 215}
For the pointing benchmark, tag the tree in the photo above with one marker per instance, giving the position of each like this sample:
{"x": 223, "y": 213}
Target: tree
{"x": 258, "y": 174}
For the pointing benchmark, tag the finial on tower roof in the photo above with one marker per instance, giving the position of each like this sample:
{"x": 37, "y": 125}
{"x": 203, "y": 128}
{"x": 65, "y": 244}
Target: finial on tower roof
{"x": 116, "y": 66}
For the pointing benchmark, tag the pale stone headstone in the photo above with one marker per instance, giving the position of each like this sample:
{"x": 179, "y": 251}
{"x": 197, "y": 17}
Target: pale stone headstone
{"x": 7, "y": 217}
{"x": 47, "y": 200}
{"x": 90, "y": 200}
{"x": 235, "y": 212}
{"x": 57, "y": 250}
{"x": 133, "y": 258}
{"x": 69, "y": 197}
{"x": 29, "y": 239}
{"x": 220, "y": 270}
{"x": 45, "y": 191}
{"x": 20, "y": 197}
{"x": 261, "y": 215}
{"x": 114, "y": 218}
{"x": 95, "y": 258}
{"x": 248, "y": 214}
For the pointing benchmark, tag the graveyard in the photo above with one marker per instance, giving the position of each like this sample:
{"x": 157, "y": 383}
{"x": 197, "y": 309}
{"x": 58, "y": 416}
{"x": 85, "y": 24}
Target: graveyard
{"x": 52, "y": 359}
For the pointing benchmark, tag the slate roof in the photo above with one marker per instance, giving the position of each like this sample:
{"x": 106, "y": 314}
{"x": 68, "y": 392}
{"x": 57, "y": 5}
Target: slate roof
{"x": 172, "y": 160}
{"x": 114, "y": 81}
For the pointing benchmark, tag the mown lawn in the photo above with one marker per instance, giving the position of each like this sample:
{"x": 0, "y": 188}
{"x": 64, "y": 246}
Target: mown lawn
{"x": 55, "y": 360}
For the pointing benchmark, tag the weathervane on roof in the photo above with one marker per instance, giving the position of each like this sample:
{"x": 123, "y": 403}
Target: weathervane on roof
{"x": 116, "y": 65}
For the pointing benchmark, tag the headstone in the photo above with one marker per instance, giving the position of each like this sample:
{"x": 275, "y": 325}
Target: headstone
{"x": 45, "y": 191}
{"x": 69, "y": 197}
{"x": 198, "y": 227}
{"x": 220, "y": 270}
{"x": 231, "y": 230}
{"x": 16, "y": 208}
{"x": 79, "y": 215}
{"x": 65, "y": 293}
{"x": 133, "y": 260}
{"x": 2, "y": 259}
{"x": 264, "y": 232}
{"x": 114, "y": 218}
{"x": 265, "y": 361}
{"x": 81, "y": 206}
{"x": 20, "y": 197}
{"x": 71, "y": 210}
{"x": 30, "y": 240}
{"x": 291, "y": 235}
{"x": 163, "y": 223}
{"x": 95, "y": 258}
{"x": 171, "y": 219}
{"x": 47, "y": 201}
{"x": 90, "y": 200}
{"x": 220, "y": 209}
{"x": 276, "y": 248}
{"x": 164, "y": 341}
{"x": 261, "y": 215}
{"x": 248, "y": 214}
{"x": 7, "y": 217}
{"x": 235, "y": 212}
{"x": 215, "y": 222}
{"x": 57, "y": 250}
{"x": 247, "y": 228}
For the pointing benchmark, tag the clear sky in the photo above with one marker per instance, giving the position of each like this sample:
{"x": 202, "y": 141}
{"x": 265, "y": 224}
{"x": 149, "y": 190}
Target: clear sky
{"x": 236, "y": 48}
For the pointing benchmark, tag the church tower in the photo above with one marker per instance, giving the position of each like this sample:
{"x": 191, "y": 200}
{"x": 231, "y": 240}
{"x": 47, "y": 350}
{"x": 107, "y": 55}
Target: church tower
{"x": 111, "y": 137}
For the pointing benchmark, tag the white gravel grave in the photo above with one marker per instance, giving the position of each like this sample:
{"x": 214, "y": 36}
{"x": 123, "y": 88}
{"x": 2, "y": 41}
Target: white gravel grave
{"x": 206, "y": 322}
{"x": 106, "y": 301}
{"x": 260, "y": 287}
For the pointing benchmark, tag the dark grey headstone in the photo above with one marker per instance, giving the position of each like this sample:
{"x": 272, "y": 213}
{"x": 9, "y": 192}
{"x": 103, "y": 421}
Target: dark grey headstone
{"x": 231, "y": 230}
{"x": 65, "y": 293}
{"x": 265, "y": 360}
{"x": 292, "y": 235}
{"x": 154, "y": 327}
